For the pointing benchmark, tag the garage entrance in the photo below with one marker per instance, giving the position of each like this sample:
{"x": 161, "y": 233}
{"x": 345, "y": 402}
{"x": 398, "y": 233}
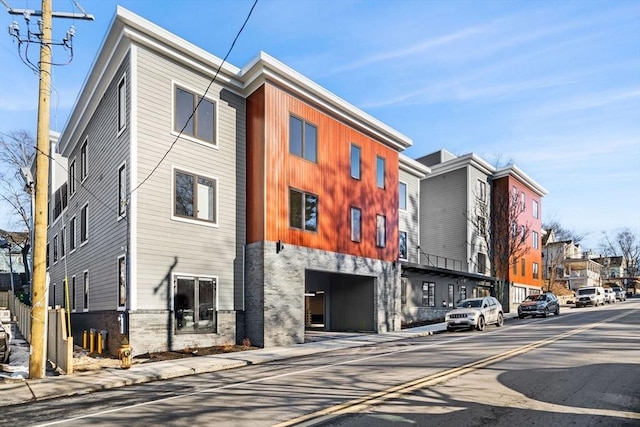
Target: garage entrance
{"x": 339, "y": 302}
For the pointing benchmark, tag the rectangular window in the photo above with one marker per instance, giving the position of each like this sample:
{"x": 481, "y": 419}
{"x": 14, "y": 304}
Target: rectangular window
{"x": 60, "y": 201}
{"x": 303, "y": 139}
{"x": 380, "y": 172}
{"x": 482, "y": 191}
{"x": 523, "y": 265}
{"x": 462, "y": 292}
{"x": 303, "y": 210}
{"x": 194, "y": 305}
{"x": 122, "y": 191}
{"x": 55, "y": 248}
{"x": 515, "y": 267}
{"x": 451, "y": 296}
{"x": 63, "y": 249}
{"x": 194, "y": 116}
{"x": 482, "y": 263}
{"x": 85, "y": 285}
{"x": 84, "y": 171}
{"x": 356, "y": 224}
{"x": 403, "y": 245}
{"x": 195, "y": 197}
{"x": 522, "y": 201}
{"x": 122, "y": 104}
{"x": 428, "y": 294}
{"x": 402, "y": 195}
{"x": 381, "y": 231}
{"x": 535, "y": 208}
{"x": 47, "y": 257}
{"x": 355, "y": 161}
{"x": 535, "y": 239}
{"x": 73, "y": 293}
{"x": 122, "y": 282}
{"x": 535, "y": 270}
{"x": 84, "y": 224}
{"x": 72, "y": 234}
{"x": 482, "y": 225}
{"x": 72, "y": 178}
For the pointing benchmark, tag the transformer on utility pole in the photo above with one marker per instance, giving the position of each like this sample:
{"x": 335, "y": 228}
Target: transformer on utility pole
{"x": 37, "y": 359}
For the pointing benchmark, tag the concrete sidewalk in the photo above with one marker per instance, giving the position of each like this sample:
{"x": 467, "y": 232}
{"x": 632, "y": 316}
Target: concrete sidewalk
{"x": 14, "y": 392}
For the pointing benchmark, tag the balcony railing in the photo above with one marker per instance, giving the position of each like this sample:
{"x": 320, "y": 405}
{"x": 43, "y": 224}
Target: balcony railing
{"x": 442, "y": 262}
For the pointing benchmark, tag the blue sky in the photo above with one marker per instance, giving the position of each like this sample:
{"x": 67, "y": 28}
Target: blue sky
{"x": 553, "y": 86}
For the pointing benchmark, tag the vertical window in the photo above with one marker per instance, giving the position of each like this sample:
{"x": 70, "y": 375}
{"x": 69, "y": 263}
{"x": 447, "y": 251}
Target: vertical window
{"x": 482, "y": 263}
{"x": 122, "y": 282}
{"x": 451, "y": 296}
{"x": 356, "y": 224}
{"x": 515, "y": 267}
{"x": 462, "y": 292}
{"x": 63, "y": 249}
{"x": 84, "y": 224}
{"x": 72, "y": 178}
{"x": 195, "y": 197}
{"x": 380, "y": 172}
{"x": 194, "y": 305}
{"x": 523, "y": 233}
{"x": 381, "y": 231}
{"x": 303, "y": 139}
{"x": 402, "y": 195}
{"x": 523, "y": 265}
{"x": 428, "y": 294}
{"x": 355, "y": 161}
{"x": 482, "y": 225}
{"x": 194, "y": 116}
{"x": 535, "y": 239}
{"x": 522, "y": 201}
{"x": 535, "y": 208}
{"x": 53, "y": 295}
{"x": 535, "y": 270}
{"x": 403, "y": 245}
{"x": 73, "y": 293}
{"x": 65, "y": 293}
{"x": 122, "y": 191}
{"x": 482, "y": 191}
{"x": 85, "y": 285}
{"x": 72, "y": 234}
{"x": 122, "y": 104}
{"x": 47, "y": 256}
{"x": 55, "y": 248}
{"x": 303, "y": 210}
{"x": 83, "y": 162}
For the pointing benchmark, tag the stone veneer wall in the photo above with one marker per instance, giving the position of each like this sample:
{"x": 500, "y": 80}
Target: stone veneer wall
{"x": 275, "y": 285}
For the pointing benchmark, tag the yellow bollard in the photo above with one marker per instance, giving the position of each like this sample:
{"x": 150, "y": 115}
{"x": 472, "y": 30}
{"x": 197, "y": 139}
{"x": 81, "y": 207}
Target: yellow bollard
{"x": 84, "y": 339}
{"x": 92, "y": 335}
{"x": 99, "y": 343}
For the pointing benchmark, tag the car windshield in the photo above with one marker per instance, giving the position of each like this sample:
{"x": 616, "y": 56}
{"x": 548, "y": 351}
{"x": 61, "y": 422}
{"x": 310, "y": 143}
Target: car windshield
{"x": 586, "y": 291}
{"x": 470, "y": 303}
{"x": 535, "y": 298}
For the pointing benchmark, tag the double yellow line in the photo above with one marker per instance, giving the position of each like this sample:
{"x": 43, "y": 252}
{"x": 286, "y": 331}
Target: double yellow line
{"x": 362, "y": 403}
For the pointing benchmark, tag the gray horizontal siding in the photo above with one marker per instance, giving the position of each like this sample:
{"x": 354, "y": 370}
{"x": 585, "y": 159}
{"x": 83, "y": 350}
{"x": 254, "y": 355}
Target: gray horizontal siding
{"x": 409, "y": 220}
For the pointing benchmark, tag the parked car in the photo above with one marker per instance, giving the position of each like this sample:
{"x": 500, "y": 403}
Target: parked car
{"x": 5, "y": 340}
{"x": 539, "y": 305}
{"x": 591, "y": 295}
{"x": 609, "y": 296}
{"x": 475, "y": 313}
{"x": 621, "y": 295}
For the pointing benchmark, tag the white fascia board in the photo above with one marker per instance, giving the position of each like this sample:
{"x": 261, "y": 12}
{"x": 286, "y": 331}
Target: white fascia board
{"x": 525, "y": 179}
{"x": 413, "y": 167}
{"x": 467, "y": 160}
{"x": 266, "y": 67}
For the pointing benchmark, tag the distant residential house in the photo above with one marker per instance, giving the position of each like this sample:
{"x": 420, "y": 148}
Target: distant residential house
{"x": 13, "y": 260}
{"x": 198, "y": 213}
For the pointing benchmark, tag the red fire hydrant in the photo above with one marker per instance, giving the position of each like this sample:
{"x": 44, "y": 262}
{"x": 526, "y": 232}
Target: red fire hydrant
{"x": 124, "y": 354}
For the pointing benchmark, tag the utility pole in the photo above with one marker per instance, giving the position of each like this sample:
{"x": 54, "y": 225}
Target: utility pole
{"x": 38, "y": 357}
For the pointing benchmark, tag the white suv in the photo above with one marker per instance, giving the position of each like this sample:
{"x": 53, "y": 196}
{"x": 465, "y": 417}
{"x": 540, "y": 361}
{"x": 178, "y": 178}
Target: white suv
{"x": 592, "y": 295}
{"x": 609, "y": 296}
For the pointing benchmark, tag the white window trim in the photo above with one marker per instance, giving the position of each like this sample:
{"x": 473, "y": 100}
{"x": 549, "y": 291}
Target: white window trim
{"x": 73, "y": 237}
{"x": 72, "y": 297}
{"x": 124, "y": 213}
{"x": 85, "y": 290}
{"x": 86, "y": 241}
{"x": 75, "y": 178}
{"x": 407, "y": 243}
{"x": 126, "y": 286}
{"x": 216, "y": 123}
{"x": 173, "y": 198}
{"x": 406, "y": 196}
{"x": 123, "y": 81}
{"x": 84, "y": 169}
{"x": 55, "y": 256}
{"x": 63, "y": 233}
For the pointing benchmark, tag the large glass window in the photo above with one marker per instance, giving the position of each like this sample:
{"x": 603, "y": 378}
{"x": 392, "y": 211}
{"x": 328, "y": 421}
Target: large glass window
{"x": 381, "y": 231}
{"x": 303, "y": 139}
{"x": 195, "y": 197}
{"x": 355, "y": 161}
{"x": 194, "y": 305}
{"x": 356, "y": 224}
{"x": 403, "y": 245}
{"x": 380, "y": 172}
{"x": 428, "y": 294}
{"x": 402, "y": 195}
{"x": 303, "y": 210}
{"x": 194, "y": 116}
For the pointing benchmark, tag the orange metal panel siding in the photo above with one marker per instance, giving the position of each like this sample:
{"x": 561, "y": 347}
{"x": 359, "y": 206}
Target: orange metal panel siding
{"x": 329, "y": 179}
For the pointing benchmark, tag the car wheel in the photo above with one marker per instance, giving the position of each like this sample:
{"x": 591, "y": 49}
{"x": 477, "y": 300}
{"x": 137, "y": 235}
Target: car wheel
{"x": 521, "y": 316}
{"x": 500, "y": 321}
{"x": 557, "y": 312}
{"x": 449, "y": 329}
{"x": 546, "y": 312}
{"x": 480, "y": 325}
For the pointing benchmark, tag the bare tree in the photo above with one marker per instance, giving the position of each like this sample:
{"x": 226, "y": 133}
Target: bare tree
{"x": 561, "y": 233}
{"x": 625, "y": 244}
{"x": 17, "y": 151}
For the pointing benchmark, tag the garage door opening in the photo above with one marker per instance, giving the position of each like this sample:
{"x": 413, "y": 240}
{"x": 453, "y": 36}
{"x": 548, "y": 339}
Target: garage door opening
{"x": 314, "y": 310}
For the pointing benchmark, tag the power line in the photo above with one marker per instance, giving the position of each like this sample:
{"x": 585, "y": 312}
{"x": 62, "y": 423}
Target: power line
{"x": 198, "y": 104}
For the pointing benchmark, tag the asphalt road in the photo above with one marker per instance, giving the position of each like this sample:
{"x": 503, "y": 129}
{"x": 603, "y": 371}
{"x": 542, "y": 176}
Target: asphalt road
{"x": 580, "y": 368}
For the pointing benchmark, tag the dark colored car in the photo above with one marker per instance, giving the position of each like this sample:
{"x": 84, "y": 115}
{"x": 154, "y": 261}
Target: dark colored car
{"x": 539, "y": 305}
